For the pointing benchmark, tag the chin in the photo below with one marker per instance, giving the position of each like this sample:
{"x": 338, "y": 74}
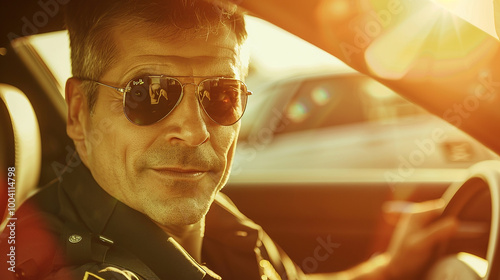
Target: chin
{"x": 179, "y": 212}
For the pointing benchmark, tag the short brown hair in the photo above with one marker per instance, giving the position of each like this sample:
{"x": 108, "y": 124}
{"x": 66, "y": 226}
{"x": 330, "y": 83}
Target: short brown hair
{"x": 89, "y": 23}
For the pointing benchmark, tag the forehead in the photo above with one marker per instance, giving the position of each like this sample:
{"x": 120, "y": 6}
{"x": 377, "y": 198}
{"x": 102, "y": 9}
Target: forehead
{"x": 155, "y": 50}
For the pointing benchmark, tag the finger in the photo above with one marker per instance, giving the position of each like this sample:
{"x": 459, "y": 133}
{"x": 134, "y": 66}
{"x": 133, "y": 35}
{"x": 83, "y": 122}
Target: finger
{"x": 425, "y": 213}
{"x": 430, "y": 205}
{"x": 436, "y": 232}
{"x": 472, "y": 229}
{"x": 394, "y": 210}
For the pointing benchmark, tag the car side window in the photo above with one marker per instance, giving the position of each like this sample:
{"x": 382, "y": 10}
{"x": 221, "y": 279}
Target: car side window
{"x": 342, "y": 100}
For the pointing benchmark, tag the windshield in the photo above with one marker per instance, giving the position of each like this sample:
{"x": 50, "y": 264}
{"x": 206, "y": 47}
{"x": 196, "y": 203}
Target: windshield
{"x": 305, "y": 93}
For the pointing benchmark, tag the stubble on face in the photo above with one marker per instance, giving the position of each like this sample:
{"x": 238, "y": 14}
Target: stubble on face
{"x": 138, "y": 165}
{"x": 177, "y": 200}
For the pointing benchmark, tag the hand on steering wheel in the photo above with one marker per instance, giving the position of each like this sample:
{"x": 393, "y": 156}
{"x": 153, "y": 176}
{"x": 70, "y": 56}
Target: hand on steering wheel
{"x": 476, "y": 204}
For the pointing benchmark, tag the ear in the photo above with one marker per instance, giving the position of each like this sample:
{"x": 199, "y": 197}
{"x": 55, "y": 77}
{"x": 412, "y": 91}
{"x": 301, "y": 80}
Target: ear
{"x": 78, "y": 112}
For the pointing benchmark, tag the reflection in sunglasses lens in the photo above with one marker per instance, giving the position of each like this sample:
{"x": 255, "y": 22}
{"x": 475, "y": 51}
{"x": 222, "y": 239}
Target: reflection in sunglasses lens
{"x": 222, "y": 100}
{"x": 152, "y": 98}
{"x": 149, "y": 101}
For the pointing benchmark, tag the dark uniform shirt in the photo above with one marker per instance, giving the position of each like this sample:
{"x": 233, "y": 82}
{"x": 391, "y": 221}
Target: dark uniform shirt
{"x": 73, "y": 229}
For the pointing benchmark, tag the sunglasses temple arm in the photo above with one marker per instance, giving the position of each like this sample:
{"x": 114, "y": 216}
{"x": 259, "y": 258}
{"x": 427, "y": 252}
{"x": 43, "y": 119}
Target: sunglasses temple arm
{"x": 122, "y": 90}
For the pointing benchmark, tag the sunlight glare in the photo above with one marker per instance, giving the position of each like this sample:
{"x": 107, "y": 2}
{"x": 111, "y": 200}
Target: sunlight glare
{"x": 298, "y": 112}
{"x": 54, "y": 50}
{"x": 441, "y": 38}
{"x": 477, "y": 12}
{"x": 405, "y": 48}
{"x": 339, "y": 9}
{"x": 479, "y": 265}
{"x": 274, "y": 49}
{"x": 321, "y": 95}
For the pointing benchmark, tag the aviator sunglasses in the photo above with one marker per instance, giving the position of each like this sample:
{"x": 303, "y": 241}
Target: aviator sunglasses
{"x": 149, "y": 99}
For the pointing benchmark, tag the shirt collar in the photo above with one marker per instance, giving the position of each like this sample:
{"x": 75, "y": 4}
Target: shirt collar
{"x": 127, "y": 228}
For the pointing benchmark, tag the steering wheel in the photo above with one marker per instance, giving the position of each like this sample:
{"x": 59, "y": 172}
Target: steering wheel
{"x": 474, "y": 253}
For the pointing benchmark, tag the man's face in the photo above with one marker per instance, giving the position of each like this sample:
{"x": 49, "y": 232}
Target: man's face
{"x": 170, "y": 170}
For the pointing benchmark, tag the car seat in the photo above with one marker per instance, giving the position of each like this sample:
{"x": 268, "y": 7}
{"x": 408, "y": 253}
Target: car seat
{"x": 20, "y": 147}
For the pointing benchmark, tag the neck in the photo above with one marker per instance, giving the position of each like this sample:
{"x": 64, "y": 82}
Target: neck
{"x": 190, "y": 237}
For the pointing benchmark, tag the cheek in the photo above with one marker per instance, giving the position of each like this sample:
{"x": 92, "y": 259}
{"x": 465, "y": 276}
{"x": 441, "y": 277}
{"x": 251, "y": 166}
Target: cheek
{"x": 224, "y": 140}
{"x": 101, "y": 127}
{"x": 225, "y": 147}
{"x": 109, "y": 133}
{"x": 108, "y": 142}
{"x": 112, "y": 154}
{"x": 99, "y": 141}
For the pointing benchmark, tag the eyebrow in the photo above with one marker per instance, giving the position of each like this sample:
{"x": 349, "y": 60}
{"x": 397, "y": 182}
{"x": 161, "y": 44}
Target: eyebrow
{"x": 144, "y": 73}
{"x": 154, "y": 69}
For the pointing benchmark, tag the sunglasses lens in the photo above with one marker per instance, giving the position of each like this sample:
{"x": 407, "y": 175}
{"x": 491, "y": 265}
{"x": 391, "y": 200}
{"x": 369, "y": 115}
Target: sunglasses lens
{"x": 224, "y": 100}
{"x": 150, "y": 99}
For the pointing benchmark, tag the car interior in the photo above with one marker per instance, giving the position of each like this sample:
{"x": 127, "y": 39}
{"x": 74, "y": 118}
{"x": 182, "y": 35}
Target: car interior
{"x": 299, "y": 208}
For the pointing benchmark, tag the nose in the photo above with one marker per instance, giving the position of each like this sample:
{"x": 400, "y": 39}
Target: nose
{"x": 187, "y": 123}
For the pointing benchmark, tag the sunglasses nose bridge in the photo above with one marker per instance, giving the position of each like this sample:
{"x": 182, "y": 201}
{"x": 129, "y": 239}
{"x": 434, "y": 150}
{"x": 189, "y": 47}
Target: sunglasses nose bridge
{"x": 196, "y": 91}
{"x": 185, "y": 84}
{"x": 195, "y": 85}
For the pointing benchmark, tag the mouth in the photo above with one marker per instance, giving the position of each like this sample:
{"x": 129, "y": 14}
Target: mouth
{"x": 181, "y": 172}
